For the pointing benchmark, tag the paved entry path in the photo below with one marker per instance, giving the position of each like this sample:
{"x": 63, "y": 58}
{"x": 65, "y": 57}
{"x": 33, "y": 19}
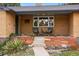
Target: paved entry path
{"x": 40, "y": 51}
{"x": 38, "y": 48}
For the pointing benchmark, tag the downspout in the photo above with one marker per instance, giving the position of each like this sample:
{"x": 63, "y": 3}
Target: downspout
{"x": 16, "y": 25}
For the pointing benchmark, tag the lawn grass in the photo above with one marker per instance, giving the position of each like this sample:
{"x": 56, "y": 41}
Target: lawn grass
{"x": 66, "y": 53}
{"x": 70, "y": 53}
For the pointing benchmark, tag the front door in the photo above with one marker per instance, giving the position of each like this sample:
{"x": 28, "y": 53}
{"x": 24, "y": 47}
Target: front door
{"x": 43, "y": 25}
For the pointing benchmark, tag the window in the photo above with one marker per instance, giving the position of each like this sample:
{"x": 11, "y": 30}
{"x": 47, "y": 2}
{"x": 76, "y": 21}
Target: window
{"x": 43, "y": 21}
{"x": 35, "y": 23}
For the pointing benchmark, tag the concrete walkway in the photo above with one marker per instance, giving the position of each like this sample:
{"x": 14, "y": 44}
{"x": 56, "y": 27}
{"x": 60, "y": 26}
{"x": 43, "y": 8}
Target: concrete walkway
{"x": 40, "y": 51}
{"x": 38, "y": 47}
{"x": 38, "y": 41}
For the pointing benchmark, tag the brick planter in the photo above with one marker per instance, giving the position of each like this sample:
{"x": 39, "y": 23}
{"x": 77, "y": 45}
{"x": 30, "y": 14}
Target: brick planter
{"x": 28, "y": 40}
{"x": 73, "y": 43}
{"x": 60, "y": 41}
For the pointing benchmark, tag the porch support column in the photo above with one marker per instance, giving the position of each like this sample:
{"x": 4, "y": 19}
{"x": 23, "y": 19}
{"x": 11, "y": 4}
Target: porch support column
{"x": 75, "y": 24}
{"x": 16, "y": 26}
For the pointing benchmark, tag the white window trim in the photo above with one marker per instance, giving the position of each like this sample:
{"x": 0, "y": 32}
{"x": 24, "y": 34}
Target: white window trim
{"x": 48, "y": 22}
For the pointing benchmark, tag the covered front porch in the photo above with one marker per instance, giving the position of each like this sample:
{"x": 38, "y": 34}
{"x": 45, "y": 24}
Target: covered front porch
{"x": 40, "y": 20}
{"x": 58, "y": 23}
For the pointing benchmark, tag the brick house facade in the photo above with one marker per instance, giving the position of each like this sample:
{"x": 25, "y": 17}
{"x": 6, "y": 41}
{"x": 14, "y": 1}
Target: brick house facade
{"x": 20, "y": 19}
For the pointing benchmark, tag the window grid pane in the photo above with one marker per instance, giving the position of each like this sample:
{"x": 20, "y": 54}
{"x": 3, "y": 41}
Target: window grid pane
{"x": 44, "y": 21}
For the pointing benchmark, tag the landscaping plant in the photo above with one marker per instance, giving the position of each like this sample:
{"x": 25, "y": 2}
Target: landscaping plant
{"x": 12, "y": 46}
{"x": 16, "y": 46}
{"x": 2, "y": 44}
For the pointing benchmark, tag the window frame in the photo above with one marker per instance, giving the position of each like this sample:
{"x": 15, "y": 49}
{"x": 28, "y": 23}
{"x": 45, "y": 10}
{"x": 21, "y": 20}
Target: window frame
{"x": 38, "y": 18}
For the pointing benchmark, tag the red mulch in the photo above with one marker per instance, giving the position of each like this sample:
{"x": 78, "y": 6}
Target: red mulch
{"x": 60, "y": 40}
{"x": 26, "y": 39}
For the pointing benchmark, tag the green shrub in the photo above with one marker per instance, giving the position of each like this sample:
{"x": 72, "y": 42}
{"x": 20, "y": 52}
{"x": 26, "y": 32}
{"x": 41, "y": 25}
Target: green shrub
{"x": 2, "y": 44}
{"x": 12, "y": 46}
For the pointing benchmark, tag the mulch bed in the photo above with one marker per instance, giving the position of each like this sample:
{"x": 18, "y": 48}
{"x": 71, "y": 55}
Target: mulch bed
{"x": 28, "y": 40}
{"x": 61, "y": 41}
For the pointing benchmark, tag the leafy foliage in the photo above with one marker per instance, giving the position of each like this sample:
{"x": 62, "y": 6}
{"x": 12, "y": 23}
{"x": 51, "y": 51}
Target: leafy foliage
{"x": 3, "y": 43}
{"x": 13, "y": 44}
